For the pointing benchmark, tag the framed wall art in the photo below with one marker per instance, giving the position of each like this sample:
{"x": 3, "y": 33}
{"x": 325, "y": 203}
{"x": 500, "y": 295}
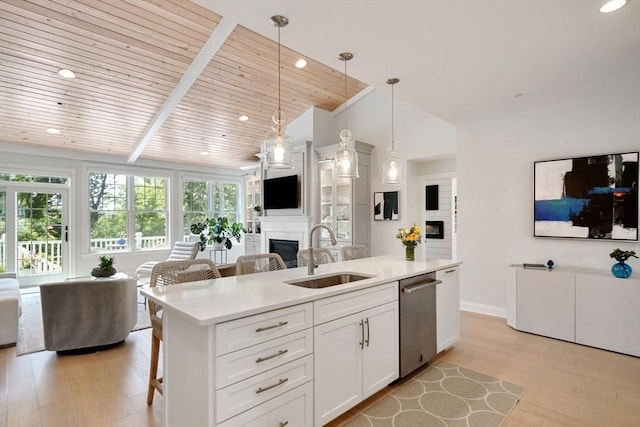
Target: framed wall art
{"x": 385, "y": 206}
{"x": 431, "y": 197}
{"x": 593, "y": 197}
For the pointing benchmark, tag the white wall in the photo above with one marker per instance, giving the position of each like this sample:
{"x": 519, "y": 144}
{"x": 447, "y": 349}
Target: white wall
{"x": 418, "y": 134}
{"x": 438, "y": 248}
{"x": 495, "y": 189}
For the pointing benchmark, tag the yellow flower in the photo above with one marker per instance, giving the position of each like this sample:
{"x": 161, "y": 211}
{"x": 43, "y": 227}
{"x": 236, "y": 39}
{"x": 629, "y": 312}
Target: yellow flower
{"x": 410, "y": 236}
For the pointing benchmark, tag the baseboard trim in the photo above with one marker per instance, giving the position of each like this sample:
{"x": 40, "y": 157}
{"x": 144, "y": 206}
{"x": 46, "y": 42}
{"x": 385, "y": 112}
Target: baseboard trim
{"x": 490, "y": 310}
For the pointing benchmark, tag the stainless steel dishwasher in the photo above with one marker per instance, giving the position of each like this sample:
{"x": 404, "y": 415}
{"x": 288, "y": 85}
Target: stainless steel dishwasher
{"x": 417, "y": 321}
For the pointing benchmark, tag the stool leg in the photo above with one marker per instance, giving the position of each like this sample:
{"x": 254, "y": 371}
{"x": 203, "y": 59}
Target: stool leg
{"x": 153, "y": 369}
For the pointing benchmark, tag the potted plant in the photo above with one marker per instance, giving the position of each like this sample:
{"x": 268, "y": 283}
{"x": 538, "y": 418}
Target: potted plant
{"x": 217, "y": 232}
{"x": 621, "y": 269}
{"x": 105, "y": 267}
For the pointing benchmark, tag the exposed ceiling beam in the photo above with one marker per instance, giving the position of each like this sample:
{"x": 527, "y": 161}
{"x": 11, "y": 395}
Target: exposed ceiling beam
{"x": 211, "y": 47}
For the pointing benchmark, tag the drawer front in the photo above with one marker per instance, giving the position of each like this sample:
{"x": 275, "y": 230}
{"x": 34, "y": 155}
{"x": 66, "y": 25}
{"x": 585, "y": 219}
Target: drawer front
{"x": 242, "y": 364}
{"x": 247, "y": 331}
{"x": 253, "y": 391}
{"x": 332, "y": 308}
{"x": 292, "y": 409}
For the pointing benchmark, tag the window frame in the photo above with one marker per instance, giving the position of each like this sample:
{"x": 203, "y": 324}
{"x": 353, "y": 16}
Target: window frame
{"x": 131, "y": 212}
{"x": 211, "y": 180}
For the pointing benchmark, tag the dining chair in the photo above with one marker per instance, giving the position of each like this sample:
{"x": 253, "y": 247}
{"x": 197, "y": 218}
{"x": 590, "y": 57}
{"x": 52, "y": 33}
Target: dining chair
{"x": 320, "y": 255}
{"x": 354, "y": 252}
{"x": 167, "y": 273}
{"x": 249, "y": 264}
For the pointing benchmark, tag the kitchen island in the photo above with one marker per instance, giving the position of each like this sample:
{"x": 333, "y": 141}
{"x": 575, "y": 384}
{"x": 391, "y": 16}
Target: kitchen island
{"x": 242, "y": 350}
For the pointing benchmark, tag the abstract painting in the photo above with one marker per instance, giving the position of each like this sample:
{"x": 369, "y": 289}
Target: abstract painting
{"x": 592, "y": 197}
{"x": 385, "y": 206}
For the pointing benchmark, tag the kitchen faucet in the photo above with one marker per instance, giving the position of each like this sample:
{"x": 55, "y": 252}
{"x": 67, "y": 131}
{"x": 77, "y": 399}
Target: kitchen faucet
{"x": 311, "y": 263}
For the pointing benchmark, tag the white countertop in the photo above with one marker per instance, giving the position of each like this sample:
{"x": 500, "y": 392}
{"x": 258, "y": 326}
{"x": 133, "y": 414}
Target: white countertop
{"x": 213, "y": 301}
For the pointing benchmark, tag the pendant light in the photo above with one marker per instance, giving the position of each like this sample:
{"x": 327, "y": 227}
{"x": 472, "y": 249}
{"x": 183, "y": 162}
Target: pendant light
{"x": 279, "y": 145}
{"x": 392, "y": 167}
{"x": 345, "y": 161}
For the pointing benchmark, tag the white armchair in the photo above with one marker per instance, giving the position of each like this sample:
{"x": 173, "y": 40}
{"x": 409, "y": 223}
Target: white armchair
{"x": 181, "y": 251}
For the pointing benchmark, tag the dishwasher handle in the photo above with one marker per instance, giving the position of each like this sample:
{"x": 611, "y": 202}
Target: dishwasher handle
{"x": 419, "y": 286}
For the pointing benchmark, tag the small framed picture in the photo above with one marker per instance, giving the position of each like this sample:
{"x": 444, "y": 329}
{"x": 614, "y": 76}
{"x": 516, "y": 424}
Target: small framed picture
{"x": 385, "y": 206}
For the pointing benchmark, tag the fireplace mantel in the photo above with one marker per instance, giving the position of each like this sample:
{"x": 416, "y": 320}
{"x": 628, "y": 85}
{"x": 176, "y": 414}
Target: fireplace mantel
{"x": 285, "y": 228}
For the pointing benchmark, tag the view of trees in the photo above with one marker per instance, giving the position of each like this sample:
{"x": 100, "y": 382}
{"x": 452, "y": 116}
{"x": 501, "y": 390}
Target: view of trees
{"x": 195, "y": 202}
{"x": 117, "y": 203}
{"x": 108, "y": 205}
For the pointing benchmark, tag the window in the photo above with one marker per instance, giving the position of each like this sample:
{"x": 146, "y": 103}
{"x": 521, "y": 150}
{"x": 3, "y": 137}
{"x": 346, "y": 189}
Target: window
{"x": 12, "y": 177}
{"x": 208, "y": 199}
{"x": 121, "y": 206}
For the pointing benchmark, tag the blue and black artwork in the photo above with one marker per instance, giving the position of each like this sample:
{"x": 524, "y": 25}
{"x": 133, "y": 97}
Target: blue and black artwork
{"x": 587, "y": 197}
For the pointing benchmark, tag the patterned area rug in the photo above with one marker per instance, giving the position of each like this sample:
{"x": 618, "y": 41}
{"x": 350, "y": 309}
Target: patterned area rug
{"x": 30, "y": 335}
{"x": 444, "y": 395}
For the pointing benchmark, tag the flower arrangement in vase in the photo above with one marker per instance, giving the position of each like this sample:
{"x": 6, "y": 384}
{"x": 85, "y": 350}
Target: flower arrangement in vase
{"x": 621, "y": 269}
{"x": 410, "y": 237}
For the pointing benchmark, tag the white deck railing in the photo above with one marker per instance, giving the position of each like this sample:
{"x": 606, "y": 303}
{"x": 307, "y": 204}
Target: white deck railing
{"x": 46, "y": 255}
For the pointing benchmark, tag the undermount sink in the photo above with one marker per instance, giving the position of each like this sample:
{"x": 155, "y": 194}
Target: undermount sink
{"x": 326, "y": 281}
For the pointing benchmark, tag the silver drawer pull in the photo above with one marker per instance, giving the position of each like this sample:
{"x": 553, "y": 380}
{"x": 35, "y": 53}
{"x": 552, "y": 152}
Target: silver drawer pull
{"x": 279, "y": 353}
{"x": 420, "y": 286}
{"x": 282, "y": 381}
{"x": 266, "y": 328}
{"x": 450, "y": 271}
{"x": 286, "y": 423}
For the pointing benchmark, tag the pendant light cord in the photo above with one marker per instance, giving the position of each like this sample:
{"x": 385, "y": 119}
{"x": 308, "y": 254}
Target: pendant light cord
{"x": 393, "y": 139}
{"x": 279, "y": 107}
{"x": 345, "y": 94}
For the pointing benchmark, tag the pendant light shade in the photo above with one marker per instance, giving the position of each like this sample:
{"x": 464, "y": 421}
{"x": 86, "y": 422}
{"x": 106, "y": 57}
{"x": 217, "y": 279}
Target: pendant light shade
{"x": 345, "y": 161}
{"x": 392, "y": 167}
{"x": 279, "y": 145}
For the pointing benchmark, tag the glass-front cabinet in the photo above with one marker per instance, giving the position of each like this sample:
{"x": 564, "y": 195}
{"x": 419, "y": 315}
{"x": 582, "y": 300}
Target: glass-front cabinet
{"x": 253, "y": 210}
{"x": 335, "y": 203}
{"x": 344, "y": 203}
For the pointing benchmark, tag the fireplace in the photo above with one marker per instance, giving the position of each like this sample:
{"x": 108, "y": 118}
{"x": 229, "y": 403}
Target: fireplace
{"x": 434, "y": 230}
{"x": 287, "y": 249}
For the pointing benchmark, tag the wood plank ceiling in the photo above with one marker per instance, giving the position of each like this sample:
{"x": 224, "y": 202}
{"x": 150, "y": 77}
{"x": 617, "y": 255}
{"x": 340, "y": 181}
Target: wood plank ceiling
{"x": 129, "y": 57}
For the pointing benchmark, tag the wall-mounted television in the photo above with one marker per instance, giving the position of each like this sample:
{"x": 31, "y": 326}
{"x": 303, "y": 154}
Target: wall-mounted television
{"x": 281, "y": 192}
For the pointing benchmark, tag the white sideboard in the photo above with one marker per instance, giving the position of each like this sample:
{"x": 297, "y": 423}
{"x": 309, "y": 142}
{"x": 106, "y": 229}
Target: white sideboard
{"x": 578, "y": 305}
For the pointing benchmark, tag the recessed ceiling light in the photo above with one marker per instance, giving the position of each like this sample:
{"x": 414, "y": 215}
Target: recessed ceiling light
{"x": 301, "y": 63}
{"x": 67, "y": 74}
{"x": 204, "y": 153}
{"x": 243, "y": 118}
{"x": 53, "y": 131}
{"x": 612, "y": 5}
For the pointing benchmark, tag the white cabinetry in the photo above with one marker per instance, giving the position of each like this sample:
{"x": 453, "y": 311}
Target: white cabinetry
{"x": 447, "y": 308}
{"x": 608, "y": 313}
{"x": 546, "y": 303}
{"x": 344, "y": 203}
{"x": 356, "y": 350}
{"x": 578, "y": 305}
{"x": 260, "y": 358}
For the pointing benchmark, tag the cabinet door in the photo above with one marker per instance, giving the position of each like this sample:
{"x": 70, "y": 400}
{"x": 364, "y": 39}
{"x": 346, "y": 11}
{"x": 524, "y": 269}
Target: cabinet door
{"x": 447, "y": 308}
{"x": 337, "y": 367}
{"x": 607, "y": 313}
{"x": 545, "y": 303}
{"x": 380, "y": 354}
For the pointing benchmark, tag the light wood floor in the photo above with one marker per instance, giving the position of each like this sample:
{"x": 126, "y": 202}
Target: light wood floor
{"x": 567, "y": 384}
